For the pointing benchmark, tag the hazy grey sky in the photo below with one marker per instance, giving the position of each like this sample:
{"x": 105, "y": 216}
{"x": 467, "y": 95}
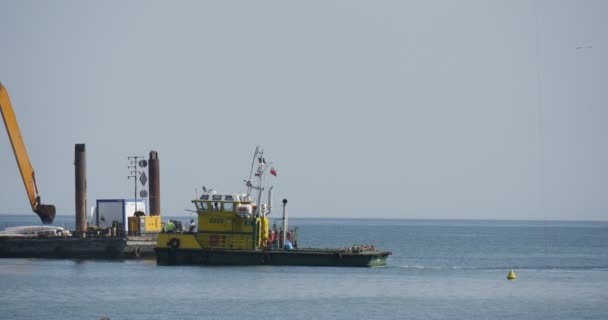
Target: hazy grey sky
{"x": 391, "y": 109}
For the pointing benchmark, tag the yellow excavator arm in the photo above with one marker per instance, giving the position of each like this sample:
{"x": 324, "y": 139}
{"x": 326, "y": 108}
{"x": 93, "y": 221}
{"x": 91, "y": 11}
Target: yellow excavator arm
{"x": 45, "y": 212}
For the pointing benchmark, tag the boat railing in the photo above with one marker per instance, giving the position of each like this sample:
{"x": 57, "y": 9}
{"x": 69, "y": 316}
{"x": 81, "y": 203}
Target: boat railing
{"x": 358, "y": 248}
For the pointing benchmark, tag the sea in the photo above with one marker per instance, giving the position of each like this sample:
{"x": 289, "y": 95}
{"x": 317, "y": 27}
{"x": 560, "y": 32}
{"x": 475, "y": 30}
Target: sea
{"x": 439, "y": 269}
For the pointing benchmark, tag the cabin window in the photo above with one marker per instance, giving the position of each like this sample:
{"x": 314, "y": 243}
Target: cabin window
{"x": 204, "y": 206}
{"x": 228, "y": 206}
{"x": 217, "y": 197}
{"x": 214, "y": 220}
{"x": 228, "y": 198}
{"x": 205, "y": 197}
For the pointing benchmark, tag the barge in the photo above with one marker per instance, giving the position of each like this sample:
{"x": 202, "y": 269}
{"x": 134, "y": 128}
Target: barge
{"x": 293, "y": 257}
{"x": 233, "y": 229}
{"x": 77, "y": 248}
{"x": 58, "y": 243}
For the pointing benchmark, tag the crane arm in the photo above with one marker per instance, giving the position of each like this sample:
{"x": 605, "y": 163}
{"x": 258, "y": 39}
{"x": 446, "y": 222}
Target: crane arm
{"x": 45, "y": 212}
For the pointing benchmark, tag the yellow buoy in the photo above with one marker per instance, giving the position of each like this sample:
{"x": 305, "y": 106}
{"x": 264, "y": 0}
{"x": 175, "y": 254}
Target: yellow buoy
{"x": 511, "y": 275}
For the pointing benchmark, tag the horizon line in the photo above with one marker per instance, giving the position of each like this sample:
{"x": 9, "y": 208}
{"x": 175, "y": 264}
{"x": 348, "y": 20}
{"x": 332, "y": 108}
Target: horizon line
{"x": 388, "y": 218}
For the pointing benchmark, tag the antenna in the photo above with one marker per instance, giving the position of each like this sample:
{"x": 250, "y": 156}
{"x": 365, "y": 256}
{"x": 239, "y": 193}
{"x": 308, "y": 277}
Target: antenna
{"x": 255, "y": 154}
{"x": 258, "y": 184}
{"x": 134, "y": 160}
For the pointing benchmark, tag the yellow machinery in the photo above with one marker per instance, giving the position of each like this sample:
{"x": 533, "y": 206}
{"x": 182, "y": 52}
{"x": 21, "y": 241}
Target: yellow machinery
{"x": 224, "y": 222}
{"x": 46, "y": 212}
{"x": 144, "y": 224}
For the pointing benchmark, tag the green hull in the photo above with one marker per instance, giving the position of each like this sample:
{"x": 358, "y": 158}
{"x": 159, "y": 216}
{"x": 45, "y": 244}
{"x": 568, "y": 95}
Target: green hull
{"x": 295, "y": 257}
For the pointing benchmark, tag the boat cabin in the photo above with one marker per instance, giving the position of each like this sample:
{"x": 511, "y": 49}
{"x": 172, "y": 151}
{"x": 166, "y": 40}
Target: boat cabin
{"x": 230, "y": 221}
{"x": 239, "y": 204}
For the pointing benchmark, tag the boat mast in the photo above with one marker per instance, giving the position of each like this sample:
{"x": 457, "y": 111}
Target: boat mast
{"x": 260, "y": 175}
{"x": 262, "y": 166}
{"x": 258, "y": 156}
{"x": 255, "y": 155}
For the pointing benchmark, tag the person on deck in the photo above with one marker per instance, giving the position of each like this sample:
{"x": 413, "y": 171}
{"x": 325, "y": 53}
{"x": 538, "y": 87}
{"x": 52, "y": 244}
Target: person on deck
{"x": 170, "y": 226}
{"x": 192, "y": 226}
{"x": 271, "y": 239}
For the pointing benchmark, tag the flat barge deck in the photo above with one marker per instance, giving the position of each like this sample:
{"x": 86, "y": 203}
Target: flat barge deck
{"x": 293, "y": 257}
{"x": 129, "y": 247}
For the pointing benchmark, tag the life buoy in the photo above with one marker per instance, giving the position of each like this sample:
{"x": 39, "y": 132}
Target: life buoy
{"x": 173, "y": 243}
{"x": 265, "y": 259}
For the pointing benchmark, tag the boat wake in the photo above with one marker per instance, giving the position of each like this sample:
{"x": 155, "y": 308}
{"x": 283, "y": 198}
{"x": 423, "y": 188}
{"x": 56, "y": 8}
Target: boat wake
{"x": 557, "y": 268}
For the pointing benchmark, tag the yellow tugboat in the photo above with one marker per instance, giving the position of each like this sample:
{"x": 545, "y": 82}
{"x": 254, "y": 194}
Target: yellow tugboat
{"x": 233, "y": 229}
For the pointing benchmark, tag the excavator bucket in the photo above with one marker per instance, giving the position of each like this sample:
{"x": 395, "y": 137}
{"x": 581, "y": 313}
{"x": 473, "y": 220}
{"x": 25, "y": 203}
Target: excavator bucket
{"x": 46, "y": 212}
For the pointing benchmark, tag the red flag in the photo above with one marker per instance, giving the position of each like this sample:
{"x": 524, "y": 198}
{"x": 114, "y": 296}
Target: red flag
{"x": 273, "y": 172}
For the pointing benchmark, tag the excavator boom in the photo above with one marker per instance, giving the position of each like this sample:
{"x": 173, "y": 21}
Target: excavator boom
{"x": 44, "y": 211}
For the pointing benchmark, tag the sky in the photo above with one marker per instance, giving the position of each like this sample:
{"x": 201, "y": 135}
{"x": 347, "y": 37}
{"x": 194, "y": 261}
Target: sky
{"x": 368, "y": 109}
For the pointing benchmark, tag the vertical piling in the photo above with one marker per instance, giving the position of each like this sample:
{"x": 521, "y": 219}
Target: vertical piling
{"x": 285, "y": 223}
{"x": 154, "y": 184}
{"x": 81, "y": 187}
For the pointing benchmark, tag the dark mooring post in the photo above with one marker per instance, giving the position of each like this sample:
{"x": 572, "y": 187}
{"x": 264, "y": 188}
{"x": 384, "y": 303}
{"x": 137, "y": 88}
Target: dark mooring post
{"x": 154, "y": 186}
{"x": 80, "y": 165}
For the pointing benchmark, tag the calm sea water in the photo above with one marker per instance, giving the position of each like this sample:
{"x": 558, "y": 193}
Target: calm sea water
{"x": 438, "y": 270}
